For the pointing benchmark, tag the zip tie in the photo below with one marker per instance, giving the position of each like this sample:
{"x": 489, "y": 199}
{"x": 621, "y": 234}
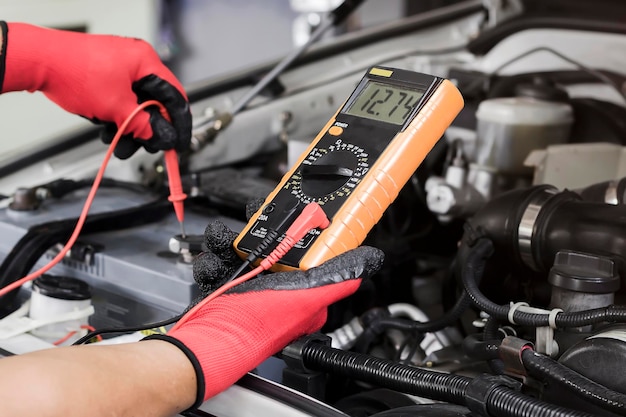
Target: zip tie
{"x": 513, "y": 308}
{"x": 552, "y": 317}
{"x": 525, "y": 308}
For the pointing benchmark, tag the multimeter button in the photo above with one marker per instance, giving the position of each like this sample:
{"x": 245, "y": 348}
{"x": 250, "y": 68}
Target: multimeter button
{"x": 335, "y": 130}
{"x": 269, "y": 208}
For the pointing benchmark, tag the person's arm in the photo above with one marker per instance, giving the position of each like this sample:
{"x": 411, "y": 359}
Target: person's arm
{"x": 151, "y": 378}
{"x": 99, "y": 77}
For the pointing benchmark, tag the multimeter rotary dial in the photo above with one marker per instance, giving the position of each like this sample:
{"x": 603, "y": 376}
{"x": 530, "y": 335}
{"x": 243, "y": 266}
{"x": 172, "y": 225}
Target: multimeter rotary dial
{"x": 330, "y": 173}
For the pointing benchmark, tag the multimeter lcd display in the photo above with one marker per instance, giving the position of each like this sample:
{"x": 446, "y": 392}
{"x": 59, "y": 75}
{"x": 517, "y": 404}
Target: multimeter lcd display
{"x": 385, "y": 102}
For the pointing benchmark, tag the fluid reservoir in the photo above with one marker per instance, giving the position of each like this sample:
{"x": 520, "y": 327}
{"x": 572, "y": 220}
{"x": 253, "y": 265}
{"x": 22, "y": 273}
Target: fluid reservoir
{"x": 509, "y": 128}
{"x": 54, "y": 296}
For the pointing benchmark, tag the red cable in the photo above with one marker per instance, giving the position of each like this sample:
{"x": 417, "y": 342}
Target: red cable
{"x": 73, "y": 332}
{"x": 221, "y": 290}
{"x": 64, "y": 338}
{"x": 88, "y": 201}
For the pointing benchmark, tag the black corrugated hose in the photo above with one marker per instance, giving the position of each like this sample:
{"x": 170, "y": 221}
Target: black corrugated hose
{"x": 543, "y": 367}
{"x": 478, "y": 394}
{"x": 473, "y": 270}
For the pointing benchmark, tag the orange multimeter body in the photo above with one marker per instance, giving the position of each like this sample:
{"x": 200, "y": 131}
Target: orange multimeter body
{"x": 359, "y": 162}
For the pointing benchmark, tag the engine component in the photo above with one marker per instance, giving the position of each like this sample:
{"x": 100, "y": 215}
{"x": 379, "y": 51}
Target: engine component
{"x": 609, "y": 192}
{"x": 582, "y": 281}
{"x": 508, "y": 129}
{"x": 187, "y": 247}
{"x": 600, "y": 358}
{"x": 25, "y": 199}
{"x": 530, "y": 226}
{"x": 485, "y": 395}
{"x": 53, "y": 295}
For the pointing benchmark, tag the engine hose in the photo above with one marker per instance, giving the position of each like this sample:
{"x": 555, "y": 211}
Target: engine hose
{"x": 448, "y": 319}
{"x": 472, "y": 273}
{"x": 543, "y": 367}
{"x": 497, "y": 400}
{"x": 505, "y": 402}
{"x": 491, "y": 329}
{"x": 491, "y": 332}
{"x": 476, "y": 347}
{"x": 386, "y": 373}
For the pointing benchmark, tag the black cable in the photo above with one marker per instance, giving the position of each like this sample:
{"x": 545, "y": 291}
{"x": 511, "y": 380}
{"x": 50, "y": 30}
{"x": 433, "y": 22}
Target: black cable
{"x": 334, "y": 18}
{"x": 196, "y": 413}
{"x": 476, "y": 347}
{"x": 128, "y": 329}
{"x": 491, "y": 331}
{"x": 486, "y": 79}
{"x": 472, "y": 272}
{"x": 448, "y": 319}
{"x": 63, "y": 186}
{"x": 543, "y": 367}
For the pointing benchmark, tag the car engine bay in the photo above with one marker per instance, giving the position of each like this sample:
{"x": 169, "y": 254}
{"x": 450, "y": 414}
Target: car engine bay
{"x": 502, "y": 291}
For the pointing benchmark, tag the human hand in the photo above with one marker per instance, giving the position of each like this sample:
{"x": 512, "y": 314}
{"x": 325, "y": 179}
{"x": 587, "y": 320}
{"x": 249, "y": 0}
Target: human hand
{"x": 235, "y": 332}
{"x": 99, "y": 77}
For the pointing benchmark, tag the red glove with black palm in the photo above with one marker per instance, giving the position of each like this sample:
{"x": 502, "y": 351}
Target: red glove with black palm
{"x": 99, "y": 77}
{"x": 233, "y": 333}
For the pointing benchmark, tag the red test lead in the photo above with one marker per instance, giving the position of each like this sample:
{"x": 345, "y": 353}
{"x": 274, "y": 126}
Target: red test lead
{"x": 176, "y": 188}
{"x": 173, "y": 177}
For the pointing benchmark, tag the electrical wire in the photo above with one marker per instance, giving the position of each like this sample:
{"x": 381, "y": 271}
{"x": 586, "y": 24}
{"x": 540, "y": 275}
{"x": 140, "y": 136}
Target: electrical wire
{"x": 128, "y": 329}
{"x": 86, "y": 206}
{"x": 221, "y": 290}
{"x": 73, "y": 332}
{"x": 596, "y": 74}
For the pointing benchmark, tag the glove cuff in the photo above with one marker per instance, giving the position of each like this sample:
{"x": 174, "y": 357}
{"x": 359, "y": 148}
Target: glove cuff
{"x": 3, "y": 51}
{"x": 200, "y": 389}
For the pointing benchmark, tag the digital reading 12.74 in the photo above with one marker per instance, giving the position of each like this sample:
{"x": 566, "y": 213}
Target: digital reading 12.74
{"x": 385, "y": 102}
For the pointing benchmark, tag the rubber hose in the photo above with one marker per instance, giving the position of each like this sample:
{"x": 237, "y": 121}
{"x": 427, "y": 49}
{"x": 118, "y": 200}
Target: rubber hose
{"x": 499, "y": 402}
{"x": 507, "y": 403}
{"x": 440, "y": 323}
{"x": 490, "y": 332}
{"x": 382, "y": 372}
{"x": 543, "y": 367}
{"x": 472, "y": 273}
{"x": 477, "y": 348}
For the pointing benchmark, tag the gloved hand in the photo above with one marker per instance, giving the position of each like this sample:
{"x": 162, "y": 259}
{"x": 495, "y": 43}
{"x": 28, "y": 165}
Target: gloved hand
{"x": 101, "y": 78}
{"x": 235, "y": 332}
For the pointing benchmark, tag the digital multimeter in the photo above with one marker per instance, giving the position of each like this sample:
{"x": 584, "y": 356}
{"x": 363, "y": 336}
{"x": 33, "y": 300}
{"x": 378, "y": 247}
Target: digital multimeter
{"x": 358, "y": 163}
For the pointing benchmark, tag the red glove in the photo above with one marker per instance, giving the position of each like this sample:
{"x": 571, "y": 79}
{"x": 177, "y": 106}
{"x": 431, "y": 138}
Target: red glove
{"x": 101, "y": 78}
{"x": 234, "y": 333}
